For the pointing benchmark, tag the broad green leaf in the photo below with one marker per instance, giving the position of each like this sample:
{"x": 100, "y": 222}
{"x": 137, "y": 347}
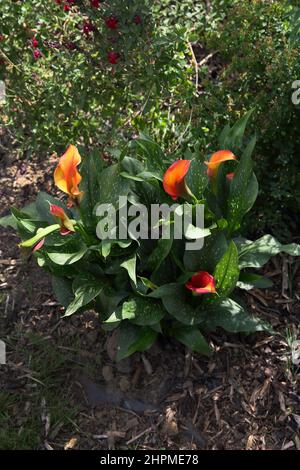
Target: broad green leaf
{"x": 28, "y": 212}
{"x": 176, "y": 301}
{"x": 151, "y": 153}
{"x": 254, "y": 254}
{"x": 132, "y": 338}
{"x": 232, "y": 317}
{"x": 227, "y": 271}
{"x": 159, "y": 253}
{"x": 192, "y": 338}
{"x": 250, "y": 281}
{"x": 197, "y": 179}
{"x": 194, "y": 233}
{"x": 206, "y": 259}
{"x": 62, "y": 289}
{"x": 112, "y": 185}
{"x": 238, "y": 203}
{"x": 140, "y": 311}
{"x": 130, "y": 266}
{"x": 91, "y": 169}
{"x": 67, "y": 254}
{"x": 84, "y": 294}
{"x": 232, "y": 137}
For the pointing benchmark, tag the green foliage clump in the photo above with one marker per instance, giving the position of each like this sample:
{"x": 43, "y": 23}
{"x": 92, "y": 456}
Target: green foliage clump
{"x": 144, "y": 286}
{"x": 259, "y": 65}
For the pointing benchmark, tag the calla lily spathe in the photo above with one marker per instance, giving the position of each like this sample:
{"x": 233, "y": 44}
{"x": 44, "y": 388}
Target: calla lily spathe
{"x": 174, "y": 179}
{"x": 215, "y": 161}
{"x": 66, "y": 225}
{"x": 66, "y": 175}
{"x": 201, "y": 283}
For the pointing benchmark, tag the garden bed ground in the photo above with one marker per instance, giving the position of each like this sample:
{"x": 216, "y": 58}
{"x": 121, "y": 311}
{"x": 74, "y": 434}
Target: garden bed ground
{"x": 61, "y": 389}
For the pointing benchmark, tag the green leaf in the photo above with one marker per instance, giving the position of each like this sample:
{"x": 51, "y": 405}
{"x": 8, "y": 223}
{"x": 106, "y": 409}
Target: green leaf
{"x": 112, "y": 185}
{"x": 250, "y": 281}
{"x": 62, "y": 289}
{"x": 151, "y": 153}
{"x": 91, "y": 169}
{"x": 132, "y": 338}
{"x": 232, "y": 137}
{"x": 254, "y": 254}
{"x": 159, "y": 253}
{"x": 227, "y": 271}
{"x": 192, "y": 338}
{"x": 232, "y": 317}
{"x": 175, "y": 298}
{"x": 197, "y": 179}
{"x": 238, "y": 203}
{"x": 140, "y": 311}
{"x": 85, "y": 292}
{"x": 68, "y": 253}
{"x": 130, "y": 266}
{"x": 194, "y": 233}
{"x": 28, "y": 212}
{"x": 206, "y": 259}
{"x": 8, "y": 221}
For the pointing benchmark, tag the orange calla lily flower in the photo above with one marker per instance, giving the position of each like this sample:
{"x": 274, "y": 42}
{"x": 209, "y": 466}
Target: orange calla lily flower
{"x": 202, "y": 283}
{"x": 66, "y": 226}
{"x": 215, "y": 161}
{"x": 174, "y": 179}
{"x": 66, "y": 175}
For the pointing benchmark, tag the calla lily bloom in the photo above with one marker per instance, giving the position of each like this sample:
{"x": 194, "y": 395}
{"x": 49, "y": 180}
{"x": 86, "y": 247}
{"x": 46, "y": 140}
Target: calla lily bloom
{"x": 66, "y": 225}
{"x": 202, "y": 283}
{"x": 39, "y": 245}
{"x": 174, "y": 179}
{"x": 215, "y": 161}
{"x": 66, "y": 175}
{"x": 230, "y": 176}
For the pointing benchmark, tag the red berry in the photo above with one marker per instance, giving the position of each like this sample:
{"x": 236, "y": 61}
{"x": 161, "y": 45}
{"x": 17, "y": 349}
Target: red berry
{"x": 137, "y": 19}
{"x": 59, "y": 2}
{"x": 113, "y": 57}
{"x": 111, "y": 22}
{"x": 37, "y": 54}
{"x": 34, "y": 42}
{"x": 95, "y": 3}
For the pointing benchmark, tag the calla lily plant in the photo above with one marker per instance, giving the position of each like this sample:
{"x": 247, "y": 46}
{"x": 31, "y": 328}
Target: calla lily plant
{"x": 144, "y": 288}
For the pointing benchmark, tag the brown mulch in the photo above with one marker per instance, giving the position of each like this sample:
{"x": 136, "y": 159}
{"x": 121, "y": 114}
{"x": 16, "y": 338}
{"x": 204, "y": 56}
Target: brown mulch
{"x": 245, "y": 397}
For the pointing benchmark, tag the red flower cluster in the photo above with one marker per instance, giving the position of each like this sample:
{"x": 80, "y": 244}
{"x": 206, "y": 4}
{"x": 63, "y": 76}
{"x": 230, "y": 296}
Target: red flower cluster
{"x": 113, "y": 57}
{"x": 87, "y": 28}
{"x": 112, "y": 22}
